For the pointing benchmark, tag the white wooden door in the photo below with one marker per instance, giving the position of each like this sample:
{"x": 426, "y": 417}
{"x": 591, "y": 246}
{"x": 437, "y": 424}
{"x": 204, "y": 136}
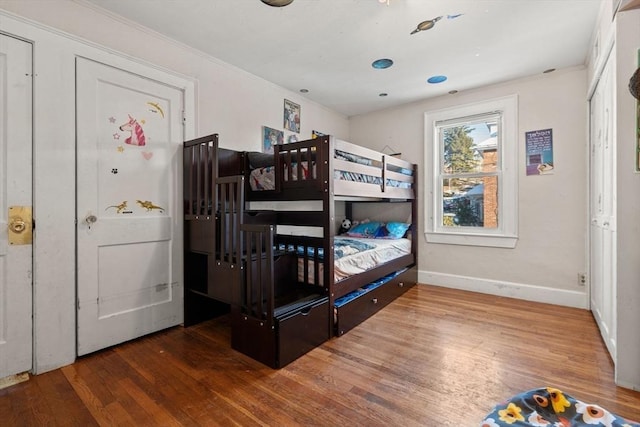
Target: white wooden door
{"x": 16, "y": 333}
{"x": 602, "y": 208}
{"x": 129, "y": 219}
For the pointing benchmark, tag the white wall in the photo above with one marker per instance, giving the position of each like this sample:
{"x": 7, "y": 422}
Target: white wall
{"x": 551, "y": 249}
{"x": 229, "y": 101}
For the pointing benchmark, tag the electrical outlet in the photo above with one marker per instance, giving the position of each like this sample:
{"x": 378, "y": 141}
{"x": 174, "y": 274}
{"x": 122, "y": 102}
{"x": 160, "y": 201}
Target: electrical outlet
{"x": 582, "y": 279}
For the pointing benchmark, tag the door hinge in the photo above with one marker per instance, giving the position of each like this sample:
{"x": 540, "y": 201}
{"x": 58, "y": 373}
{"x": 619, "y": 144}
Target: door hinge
{"x": 78, "y": 304}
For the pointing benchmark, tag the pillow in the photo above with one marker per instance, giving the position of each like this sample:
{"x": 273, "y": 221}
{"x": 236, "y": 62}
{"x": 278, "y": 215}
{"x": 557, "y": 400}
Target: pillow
{"x": 367, "y": 229}
{"x": 393, "y": 230}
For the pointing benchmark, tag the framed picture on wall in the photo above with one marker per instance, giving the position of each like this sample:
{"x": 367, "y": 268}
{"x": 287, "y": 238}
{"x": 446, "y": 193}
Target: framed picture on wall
{"x": 291, "y": 116}
{"x": 271, "y": 137}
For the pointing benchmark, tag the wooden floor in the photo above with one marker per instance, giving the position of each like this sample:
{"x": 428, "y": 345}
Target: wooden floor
{"x": 434, "y": 357}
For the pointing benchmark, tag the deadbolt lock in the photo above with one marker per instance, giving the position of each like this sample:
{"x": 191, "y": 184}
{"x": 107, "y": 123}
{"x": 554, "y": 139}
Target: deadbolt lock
{"x": 20, "y": 225}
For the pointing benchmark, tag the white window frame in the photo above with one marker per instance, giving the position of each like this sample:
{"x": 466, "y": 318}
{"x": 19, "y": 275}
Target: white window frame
{"x": 506, "y": 234}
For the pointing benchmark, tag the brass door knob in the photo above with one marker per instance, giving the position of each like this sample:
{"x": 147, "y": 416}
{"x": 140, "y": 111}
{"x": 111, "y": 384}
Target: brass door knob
{"x": 17, "y": 225}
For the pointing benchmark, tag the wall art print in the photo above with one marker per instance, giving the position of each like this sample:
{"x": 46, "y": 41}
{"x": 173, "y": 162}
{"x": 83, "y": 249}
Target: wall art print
{"x": 271, "y": 137}
{"x": 291, "y": 116}
{"x": 539, "y": 151}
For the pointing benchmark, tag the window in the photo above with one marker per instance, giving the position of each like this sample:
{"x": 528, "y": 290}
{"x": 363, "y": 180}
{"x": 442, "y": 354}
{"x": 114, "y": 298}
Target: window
{"x": 471, "y": 159}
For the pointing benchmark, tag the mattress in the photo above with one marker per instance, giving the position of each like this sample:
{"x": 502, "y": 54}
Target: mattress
{"x": 353, "y": 255}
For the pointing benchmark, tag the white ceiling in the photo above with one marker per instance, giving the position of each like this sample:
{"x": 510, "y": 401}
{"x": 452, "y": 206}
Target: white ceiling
{"x": 328, "y": 46}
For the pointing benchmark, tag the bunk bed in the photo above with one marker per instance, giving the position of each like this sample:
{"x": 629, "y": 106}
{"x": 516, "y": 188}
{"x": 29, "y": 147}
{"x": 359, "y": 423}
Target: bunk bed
{"x": 261, "y": 241}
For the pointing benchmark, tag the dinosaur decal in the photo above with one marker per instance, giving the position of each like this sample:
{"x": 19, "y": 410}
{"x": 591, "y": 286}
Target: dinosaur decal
{"x": 149, "y": 206}
{"x": 119, "y": 208}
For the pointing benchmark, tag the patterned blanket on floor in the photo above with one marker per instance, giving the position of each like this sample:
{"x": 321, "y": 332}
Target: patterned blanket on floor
{"x": 550, "y": 407}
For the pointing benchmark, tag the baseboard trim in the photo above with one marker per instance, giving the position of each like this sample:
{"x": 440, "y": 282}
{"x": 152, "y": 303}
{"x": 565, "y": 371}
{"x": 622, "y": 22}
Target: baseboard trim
{"x": 506, "y": 289}
{"x": 625, "y": 384}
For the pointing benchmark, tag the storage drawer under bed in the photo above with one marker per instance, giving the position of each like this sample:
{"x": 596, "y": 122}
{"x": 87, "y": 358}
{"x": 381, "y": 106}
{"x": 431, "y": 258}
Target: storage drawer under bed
{"x": 354, "y": 308}
{"x": 299, "y": 327}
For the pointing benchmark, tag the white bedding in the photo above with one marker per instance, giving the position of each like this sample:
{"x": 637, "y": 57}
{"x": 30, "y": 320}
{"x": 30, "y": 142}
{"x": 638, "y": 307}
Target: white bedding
{"x": 384, "y": 251}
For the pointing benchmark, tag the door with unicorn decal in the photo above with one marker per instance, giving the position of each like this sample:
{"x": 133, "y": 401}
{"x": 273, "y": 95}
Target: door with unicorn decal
{"x": 129, "y": 135}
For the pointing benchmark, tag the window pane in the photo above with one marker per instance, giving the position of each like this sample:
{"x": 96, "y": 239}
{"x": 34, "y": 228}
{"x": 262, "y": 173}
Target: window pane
{"x": 470, "y": 202}
{"x": 470, "y": 147}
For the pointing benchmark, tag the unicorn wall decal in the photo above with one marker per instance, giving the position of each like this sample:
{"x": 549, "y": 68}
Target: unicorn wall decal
{"x": 137, "y": 133}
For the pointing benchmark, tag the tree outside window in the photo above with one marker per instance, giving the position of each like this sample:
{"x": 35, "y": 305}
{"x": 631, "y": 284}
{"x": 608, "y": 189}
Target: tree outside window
{"x": 469, "y": 173}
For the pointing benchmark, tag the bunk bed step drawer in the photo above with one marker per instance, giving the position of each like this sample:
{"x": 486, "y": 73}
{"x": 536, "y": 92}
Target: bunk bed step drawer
{"x": 302, "y": 329}
{"x": 366, "y": 304}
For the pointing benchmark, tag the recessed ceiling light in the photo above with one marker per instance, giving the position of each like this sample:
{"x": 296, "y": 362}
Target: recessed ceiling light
{"x": 304, "y": 90}
{"x": 436, "y": 79}
{"x": 549, "y": 70}
{"x": 383, "y": 63}
{"x": 383, "y": 94}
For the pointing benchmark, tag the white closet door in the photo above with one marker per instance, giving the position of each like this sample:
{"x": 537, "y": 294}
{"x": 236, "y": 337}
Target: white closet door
{"x": 602, "y": 207}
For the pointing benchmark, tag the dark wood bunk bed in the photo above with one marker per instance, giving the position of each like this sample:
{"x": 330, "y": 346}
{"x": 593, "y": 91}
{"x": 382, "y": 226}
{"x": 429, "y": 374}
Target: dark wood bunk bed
{"x": 283, "y": 299}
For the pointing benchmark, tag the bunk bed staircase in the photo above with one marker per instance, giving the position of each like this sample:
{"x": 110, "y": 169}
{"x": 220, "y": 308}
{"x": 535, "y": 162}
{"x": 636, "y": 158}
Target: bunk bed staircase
{"x": 231, "y": 258}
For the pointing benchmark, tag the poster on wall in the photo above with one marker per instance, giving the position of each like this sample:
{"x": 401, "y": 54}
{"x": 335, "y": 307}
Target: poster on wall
{"x": 271, "y": 137}
{"x": 539, "y": 152}
{"x": 291, "y": 116}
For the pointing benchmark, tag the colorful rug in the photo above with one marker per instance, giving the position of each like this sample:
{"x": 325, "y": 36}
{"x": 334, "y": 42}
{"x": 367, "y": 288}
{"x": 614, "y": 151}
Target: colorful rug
{"x": 550, "y": 407}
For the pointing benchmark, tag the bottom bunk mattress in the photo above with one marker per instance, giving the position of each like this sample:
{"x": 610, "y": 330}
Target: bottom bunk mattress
{"x": 355, "y": 255}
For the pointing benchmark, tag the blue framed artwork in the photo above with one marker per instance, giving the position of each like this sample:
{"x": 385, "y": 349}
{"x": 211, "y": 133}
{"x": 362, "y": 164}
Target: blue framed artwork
{"x": 271, "y": 137}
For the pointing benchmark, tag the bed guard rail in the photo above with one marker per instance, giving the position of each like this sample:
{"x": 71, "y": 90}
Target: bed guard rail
{"x": 257, "y": 288}
{"x": 301, "y": 164}
{"x": 199, "y": 156}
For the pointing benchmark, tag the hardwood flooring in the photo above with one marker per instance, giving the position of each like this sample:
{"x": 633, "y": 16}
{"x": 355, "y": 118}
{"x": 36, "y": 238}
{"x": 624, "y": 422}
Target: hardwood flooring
{"x": 434, "y": 357}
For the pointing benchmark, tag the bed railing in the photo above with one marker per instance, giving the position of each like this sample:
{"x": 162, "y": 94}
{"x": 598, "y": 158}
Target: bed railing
{"x": 297, "y": 165}
{"x": 381, "y": 175}
{"x": 309, "y": 251}
{"x": 229, "y": 201}
{"x": 355, "y": 171}
{"x": 257, "y": 288}
{"x": 199, "y": 158}
{"x": 225, "y": 260}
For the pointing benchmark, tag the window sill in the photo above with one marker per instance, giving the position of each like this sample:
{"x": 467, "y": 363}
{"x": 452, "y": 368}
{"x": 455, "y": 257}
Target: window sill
{"x": 467, "y": 239}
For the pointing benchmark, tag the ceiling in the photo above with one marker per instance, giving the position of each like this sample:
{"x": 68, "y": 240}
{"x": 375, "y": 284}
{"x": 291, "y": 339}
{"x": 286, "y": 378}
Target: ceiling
{"x": 328, "y": 46}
